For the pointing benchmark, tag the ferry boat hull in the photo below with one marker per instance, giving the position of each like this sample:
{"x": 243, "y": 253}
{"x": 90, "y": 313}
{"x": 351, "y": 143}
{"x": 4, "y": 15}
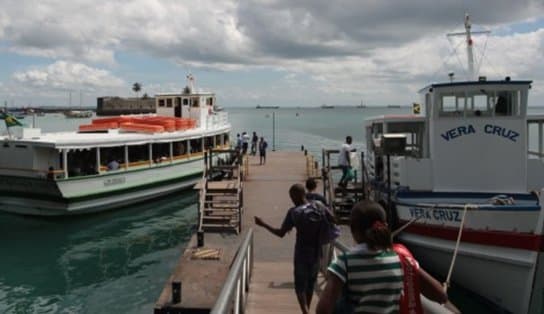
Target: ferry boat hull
{"x": 500, "y": 247}
{"x": 30, "y": 196}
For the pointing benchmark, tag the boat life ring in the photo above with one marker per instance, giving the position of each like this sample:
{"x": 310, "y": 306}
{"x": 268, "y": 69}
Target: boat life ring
{"x": 410, "y": 301}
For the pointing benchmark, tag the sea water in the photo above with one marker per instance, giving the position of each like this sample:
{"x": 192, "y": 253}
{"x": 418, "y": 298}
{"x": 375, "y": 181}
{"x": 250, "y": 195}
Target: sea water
{"x": 119, "y": 261}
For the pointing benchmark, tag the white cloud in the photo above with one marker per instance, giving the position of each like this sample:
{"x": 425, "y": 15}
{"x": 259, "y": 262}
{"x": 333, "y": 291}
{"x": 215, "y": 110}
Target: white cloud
{"x": 382, "y": 51}
{"x": 65, "y": 75}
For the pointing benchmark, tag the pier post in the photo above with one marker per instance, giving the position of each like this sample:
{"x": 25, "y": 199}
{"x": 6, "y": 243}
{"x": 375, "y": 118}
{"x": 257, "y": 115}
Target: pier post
{"x": 200, "y": 238}
{"x": 176, "y": 292}
{"x": 274, "y": 131}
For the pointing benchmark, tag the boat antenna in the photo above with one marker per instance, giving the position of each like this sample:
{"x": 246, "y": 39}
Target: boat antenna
{"x": 191, "y": 82}
{"x": 468, "y": 37}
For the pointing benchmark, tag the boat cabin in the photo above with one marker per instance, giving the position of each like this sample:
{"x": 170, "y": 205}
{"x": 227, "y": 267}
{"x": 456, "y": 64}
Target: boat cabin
{"x": 471, "y": 137}
{"x": 185, "y": 105}
{"x": 187, "y": 122}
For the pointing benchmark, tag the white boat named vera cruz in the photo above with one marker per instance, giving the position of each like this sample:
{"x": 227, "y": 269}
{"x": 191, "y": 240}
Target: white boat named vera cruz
{"x": 112, "y": 162}
{"x": 462, "y": 181}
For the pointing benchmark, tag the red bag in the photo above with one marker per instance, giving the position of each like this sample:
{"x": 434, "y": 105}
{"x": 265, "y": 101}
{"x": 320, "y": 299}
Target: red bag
{"x": 410, "y": 302}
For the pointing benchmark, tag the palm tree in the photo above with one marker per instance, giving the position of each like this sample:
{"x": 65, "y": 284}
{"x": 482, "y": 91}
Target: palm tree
{"x": 136, "y": 87}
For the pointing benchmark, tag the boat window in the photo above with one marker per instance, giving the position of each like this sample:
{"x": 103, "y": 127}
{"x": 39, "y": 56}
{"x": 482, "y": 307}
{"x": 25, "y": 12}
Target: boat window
{"x": 226, "y": 138}
{"x": 480, "y": 107}
{"x": 161, "y": 102}
{"x": 506, "y": 103}
{"x": 81, "y": 162}
{"x": 449, "y": 106}
{"x": 138, "y": 154}
{"x": 209, "y": 101}
{"x": 185, "y": 101}
{"x": 196, "y": 145}
{"x": 208, "y": 142}
{"x": 180, "y": 148}
{"x": 161, "y": 152}
{"x": 218, "y": 140}
{"x": 169, "y": 102}
{"x": 178, "y": 101}
{"x": 195, "y": 102}
{"x": 414, "y": 136}
{"x": 112, "y": 154}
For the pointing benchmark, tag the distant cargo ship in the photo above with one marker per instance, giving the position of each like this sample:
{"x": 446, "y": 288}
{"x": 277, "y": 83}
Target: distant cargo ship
{"x": 267, "y": 107}
{"x": 327, "y": 107}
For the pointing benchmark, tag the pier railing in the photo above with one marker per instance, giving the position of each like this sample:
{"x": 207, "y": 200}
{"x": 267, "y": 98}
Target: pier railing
{"x": 233, "y": 295}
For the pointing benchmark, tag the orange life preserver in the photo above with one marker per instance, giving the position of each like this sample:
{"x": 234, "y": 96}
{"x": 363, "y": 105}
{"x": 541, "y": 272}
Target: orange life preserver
{"x": 410, "y": 302}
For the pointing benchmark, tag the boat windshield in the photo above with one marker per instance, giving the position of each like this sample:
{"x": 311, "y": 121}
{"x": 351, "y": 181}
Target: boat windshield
{"x": 481, "y": 103}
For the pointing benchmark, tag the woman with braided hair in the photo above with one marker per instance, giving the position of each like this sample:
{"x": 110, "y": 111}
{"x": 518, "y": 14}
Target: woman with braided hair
{"x": 370, "y": 273}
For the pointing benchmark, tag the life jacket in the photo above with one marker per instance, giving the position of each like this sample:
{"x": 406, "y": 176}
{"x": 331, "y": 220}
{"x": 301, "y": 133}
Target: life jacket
{"x": 410, "y": 302}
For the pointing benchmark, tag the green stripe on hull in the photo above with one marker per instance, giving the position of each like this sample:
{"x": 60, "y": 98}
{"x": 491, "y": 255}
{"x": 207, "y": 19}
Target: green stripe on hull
{"x": 60, "y": 199}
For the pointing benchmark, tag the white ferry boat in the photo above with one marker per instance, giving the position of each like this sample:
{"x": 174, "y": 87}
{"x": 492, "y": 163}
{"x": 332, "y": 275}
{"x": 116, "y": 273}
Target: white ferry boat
{"x": 463, "y": 182}
{"x": 112, "y": 162}
{"x": 78, "y": 114}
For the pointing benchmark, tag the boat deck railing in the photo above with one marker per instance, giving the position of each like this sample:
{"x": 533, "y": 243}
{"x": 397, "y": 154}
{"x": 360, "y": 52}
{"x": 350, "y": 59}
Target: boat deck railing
{"x": 217, "y": 119}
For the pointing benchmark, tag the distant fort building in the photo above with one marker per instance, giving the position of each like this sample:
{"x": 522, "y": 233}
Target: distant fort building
{"x": 113, "y": 106}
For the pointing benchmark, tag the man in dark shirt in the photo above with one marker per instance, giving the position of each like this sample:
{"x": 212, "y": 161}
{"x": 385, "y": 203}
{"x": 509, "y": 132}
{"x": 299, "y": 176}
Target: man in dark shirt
{"x": 307, "y": 248}
{"x": 311, "y": 195}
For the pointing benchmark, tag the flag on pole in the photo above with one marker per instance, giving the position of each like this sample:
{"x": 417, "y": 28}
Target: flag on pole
{"x": 416, "y": 108}
{"x": 10, "y": 120}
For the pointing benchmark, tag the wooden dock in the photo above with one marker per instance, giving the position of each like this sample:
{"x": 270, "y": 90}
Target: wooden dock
{"x": 271, "y": 289}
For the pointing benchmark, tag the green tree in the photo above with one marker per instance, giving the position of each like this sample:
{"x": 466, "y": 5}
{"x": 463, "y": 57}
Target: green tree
{"x": 137, "y": 87}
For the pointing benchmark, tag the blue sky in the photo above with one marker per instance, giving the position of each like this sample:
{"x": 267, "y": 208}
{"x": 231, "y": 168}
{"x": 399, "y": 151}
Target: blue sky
{"x": 274, "y": 52}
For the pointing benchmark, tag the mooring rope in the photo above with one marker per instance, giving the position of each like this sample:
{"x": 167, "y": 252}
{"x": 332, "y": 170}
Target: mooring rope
{"x": 447, "y": 282}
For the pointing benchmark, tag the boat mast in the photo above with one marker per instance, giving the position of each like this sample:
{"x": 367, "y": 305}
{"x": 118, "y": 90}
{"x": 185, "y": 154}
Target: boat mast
{"x": 468, "y": 37}
{"x": 470, "y": 54}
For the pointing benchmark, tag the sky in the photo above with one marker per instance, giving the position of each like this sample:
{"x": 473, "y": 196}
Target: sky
{"x": 261, "y": 52}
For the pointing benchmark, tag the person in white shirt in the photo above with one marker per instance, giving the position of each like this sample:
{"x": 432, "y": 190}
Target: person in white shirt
{"x": 344, "y": 161}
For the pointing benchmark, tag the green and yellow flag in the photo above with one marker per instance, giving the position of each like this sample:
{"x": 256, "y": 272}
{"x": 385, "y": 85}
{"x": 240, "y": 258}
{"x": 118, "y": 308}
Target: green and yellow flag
{"x": 10, "y": 120}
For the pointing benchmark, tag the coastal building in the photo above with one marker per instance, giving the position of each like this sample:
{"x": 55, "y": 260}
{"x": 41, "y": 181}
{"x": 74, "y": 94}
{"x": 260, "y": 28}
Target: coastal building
{"x": 112, "y": 106}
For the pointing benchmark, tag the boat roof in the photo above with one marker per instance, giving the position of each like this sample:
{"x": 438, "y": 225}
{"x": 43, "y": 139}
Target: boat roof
{"x": 76, "y": 140}
{"x": 396, "y": 118}
{"x": 200, "y": 93}
{"x": 473, "y": 83}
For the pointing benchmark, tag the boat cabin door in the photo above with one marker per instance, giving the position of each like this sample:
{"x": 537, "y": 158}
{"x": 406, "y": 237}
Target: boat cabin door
{"x": 177, "y": 108}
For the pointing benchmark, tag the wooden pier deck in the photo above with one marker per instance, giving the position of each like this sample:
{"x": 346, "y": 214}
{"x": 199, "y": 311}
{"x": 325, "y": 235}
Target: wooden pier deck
{"x": 266, "y": 195}
{"x": 271, "y": 288}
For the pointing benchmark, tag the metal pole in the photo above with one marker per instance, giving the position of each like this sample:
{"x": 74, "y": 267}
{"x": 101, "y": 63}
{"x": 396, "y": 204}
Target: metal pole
{"x": 389, "y": 217}
{"x": 363, "y": 174}
{"x": 274, "y": 131}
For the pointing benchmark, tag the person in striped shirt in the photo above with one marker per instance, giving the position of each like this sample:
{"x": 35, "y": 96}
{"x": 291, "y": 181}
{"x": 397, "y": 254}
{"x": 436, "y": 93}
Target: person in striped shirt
{"x": 371, "y": 271}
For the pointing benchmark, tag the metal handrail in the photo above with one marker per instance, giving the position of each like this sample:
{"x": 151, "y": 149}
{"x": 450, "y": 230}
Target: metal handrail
{"x": 237, "y": 283}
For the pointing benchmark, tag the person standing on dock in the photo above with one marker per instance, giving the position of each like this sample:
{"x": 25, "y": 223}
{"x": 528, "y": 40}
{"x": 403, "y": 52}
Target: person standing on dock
{"x": 238, "y": 142}
{"x": 254, "y": 141}
{"x": 263, "y": 145}
{"x": 344, "y": 161}
{"x": 245, "y": 142}
{"x": 307, "y": 250}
